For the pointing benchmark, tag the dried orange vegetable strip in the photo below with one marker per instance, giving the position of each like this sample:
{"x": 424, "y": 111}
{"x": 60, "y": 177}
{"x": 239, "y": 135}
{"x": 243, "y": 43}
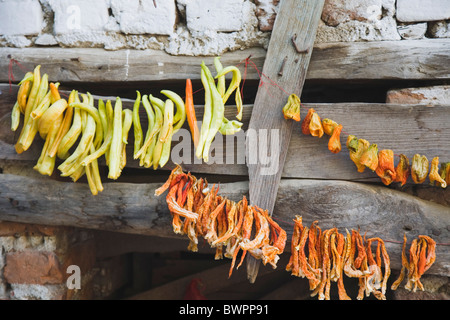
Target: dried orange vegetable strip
{"x": 377, "y": 280}
{"x": 211, "y": 234}
{"x": 405, "y": 267}
{"x": 339, "y": 253}
{"x": 422, "y": 254}
{"x": 314, "y": 256}
{"x": 272, "y": 251}
{"x": 293, "y": 264}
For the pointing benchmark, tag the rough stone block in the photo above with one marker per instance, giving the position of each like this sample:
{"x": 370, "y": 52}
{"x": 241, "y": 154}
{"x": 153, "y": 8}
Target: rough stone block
{"x": 214, "y": 15}
{"x": 32, "y": 267}
{"x": 425, "y": 95}
{"x": 384, "y": 29}
{"x": 45, "y": 40}
{"x": 142, "y": 16}
{"x": 266, "y": 11}
{"x": 20, "y": 17}
{"x": 422, "y": 10}
{"x": 339, "y": 11}
{"x": 439, "y": 29}
{"x": 413, "y": 31}
{"x": 79, "y": 16}
{"x": 37, "y": 292}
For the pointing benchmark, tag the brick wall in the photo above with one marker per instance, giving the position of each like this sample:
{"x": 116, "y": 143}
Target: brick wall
{"x": 35, "y": 262}
{"x": 197, "y": 27}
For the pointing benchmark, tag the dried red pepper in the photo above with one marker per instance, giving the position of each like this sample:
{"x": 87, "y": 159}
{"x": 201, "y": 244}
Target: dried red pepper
{"x": 306, "y": 121}
{"x": 385, "y": 169}
{"x": 334, "y": 144}
{"x": 403, "y": 170}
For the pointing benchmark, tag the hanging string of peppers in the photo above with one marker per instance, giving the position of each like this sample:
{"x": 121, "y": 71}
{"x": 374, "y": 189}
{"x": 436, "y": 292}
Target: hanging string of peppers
{"x": 321, "y": 256}
{"x": 79, "y": 133}
{"x": 199, "y": 211}
{"x": 367, "y": 155}
{"x": 331, "y": 255}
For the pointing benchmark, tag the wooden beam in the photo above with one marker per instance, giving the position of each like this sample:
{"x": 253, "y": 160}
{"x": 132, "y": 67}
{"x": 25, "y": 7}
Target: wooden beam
{"x": 408, "y": 59}
{"x": 286, "y": 63}
{"x": 95, "y": 65}
{"x": 426, "y": 59}
{"x": 132, "y": 208}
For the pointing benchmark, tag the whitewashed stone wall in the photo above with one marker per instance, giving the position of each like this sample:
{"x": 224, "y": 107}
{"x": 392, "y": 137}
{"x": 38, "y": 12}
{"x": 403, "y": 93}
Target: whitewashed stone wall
{"x": 202, "y": 27}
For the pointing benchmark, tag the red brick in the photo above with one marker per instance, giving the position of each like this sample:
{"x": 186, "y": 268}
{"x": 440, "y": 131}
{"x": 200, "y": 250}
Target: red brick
{"x": 33, "y": 267}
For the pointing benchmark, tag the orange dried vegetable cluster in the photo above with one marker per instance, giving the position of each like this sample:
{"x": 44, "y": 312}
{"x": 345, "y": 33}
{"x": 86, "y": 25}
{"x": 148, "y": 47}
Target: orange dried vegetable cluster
{"x": 422, "y": 254}
{"x": 325, "y": 256}
{"x": 228, "y": 226}
{"x": 367, "y": 155}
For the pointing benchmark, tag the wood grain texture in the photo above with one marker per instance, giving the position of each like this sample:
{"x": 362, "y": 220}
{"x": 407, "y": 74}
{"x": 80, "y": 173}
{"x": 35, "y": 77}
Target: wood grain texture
{"x": 407, "y": 59}
{"x": 94, "y": 64}
{"x": 294, "y": 28}
{"x": 411, "y": 59}
{"x": 298, "y": 19}
{"x": 132, "y": 208}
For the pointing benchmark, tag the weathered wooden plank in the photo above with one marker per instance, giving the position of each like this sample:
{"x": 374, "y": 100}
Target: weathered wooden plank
{"x": 93, "y": 64}
{"x": 132, "y": 208}
{"x": 299, "y": 23}
{"x": 294, "y": 28}
{"x": 412, "y": 59}
{"x": 406, "y": 129}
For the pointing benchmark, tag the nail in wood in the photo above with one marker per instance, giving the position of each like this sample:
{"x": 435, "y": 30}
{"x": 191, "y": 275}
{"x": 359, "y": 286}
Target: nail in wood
{"x": 280, "y": 73}
{"x": 294, "y": 43}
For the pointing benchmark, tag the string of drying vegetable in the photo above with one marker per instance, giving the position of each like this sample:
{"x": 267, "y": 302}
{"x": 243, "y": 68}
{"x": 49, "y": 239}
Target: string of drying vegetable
{"x": 322, "y": 256}
{"x": 367, "y": 155}
{"x": 79, "y": 132}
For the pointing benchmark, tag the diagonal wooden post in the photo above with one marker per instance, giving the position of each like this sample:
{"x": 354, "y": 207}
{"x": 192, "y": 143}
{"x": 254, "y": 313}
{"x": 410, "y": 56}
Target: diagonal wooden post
{"x": 286, "y": 64}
